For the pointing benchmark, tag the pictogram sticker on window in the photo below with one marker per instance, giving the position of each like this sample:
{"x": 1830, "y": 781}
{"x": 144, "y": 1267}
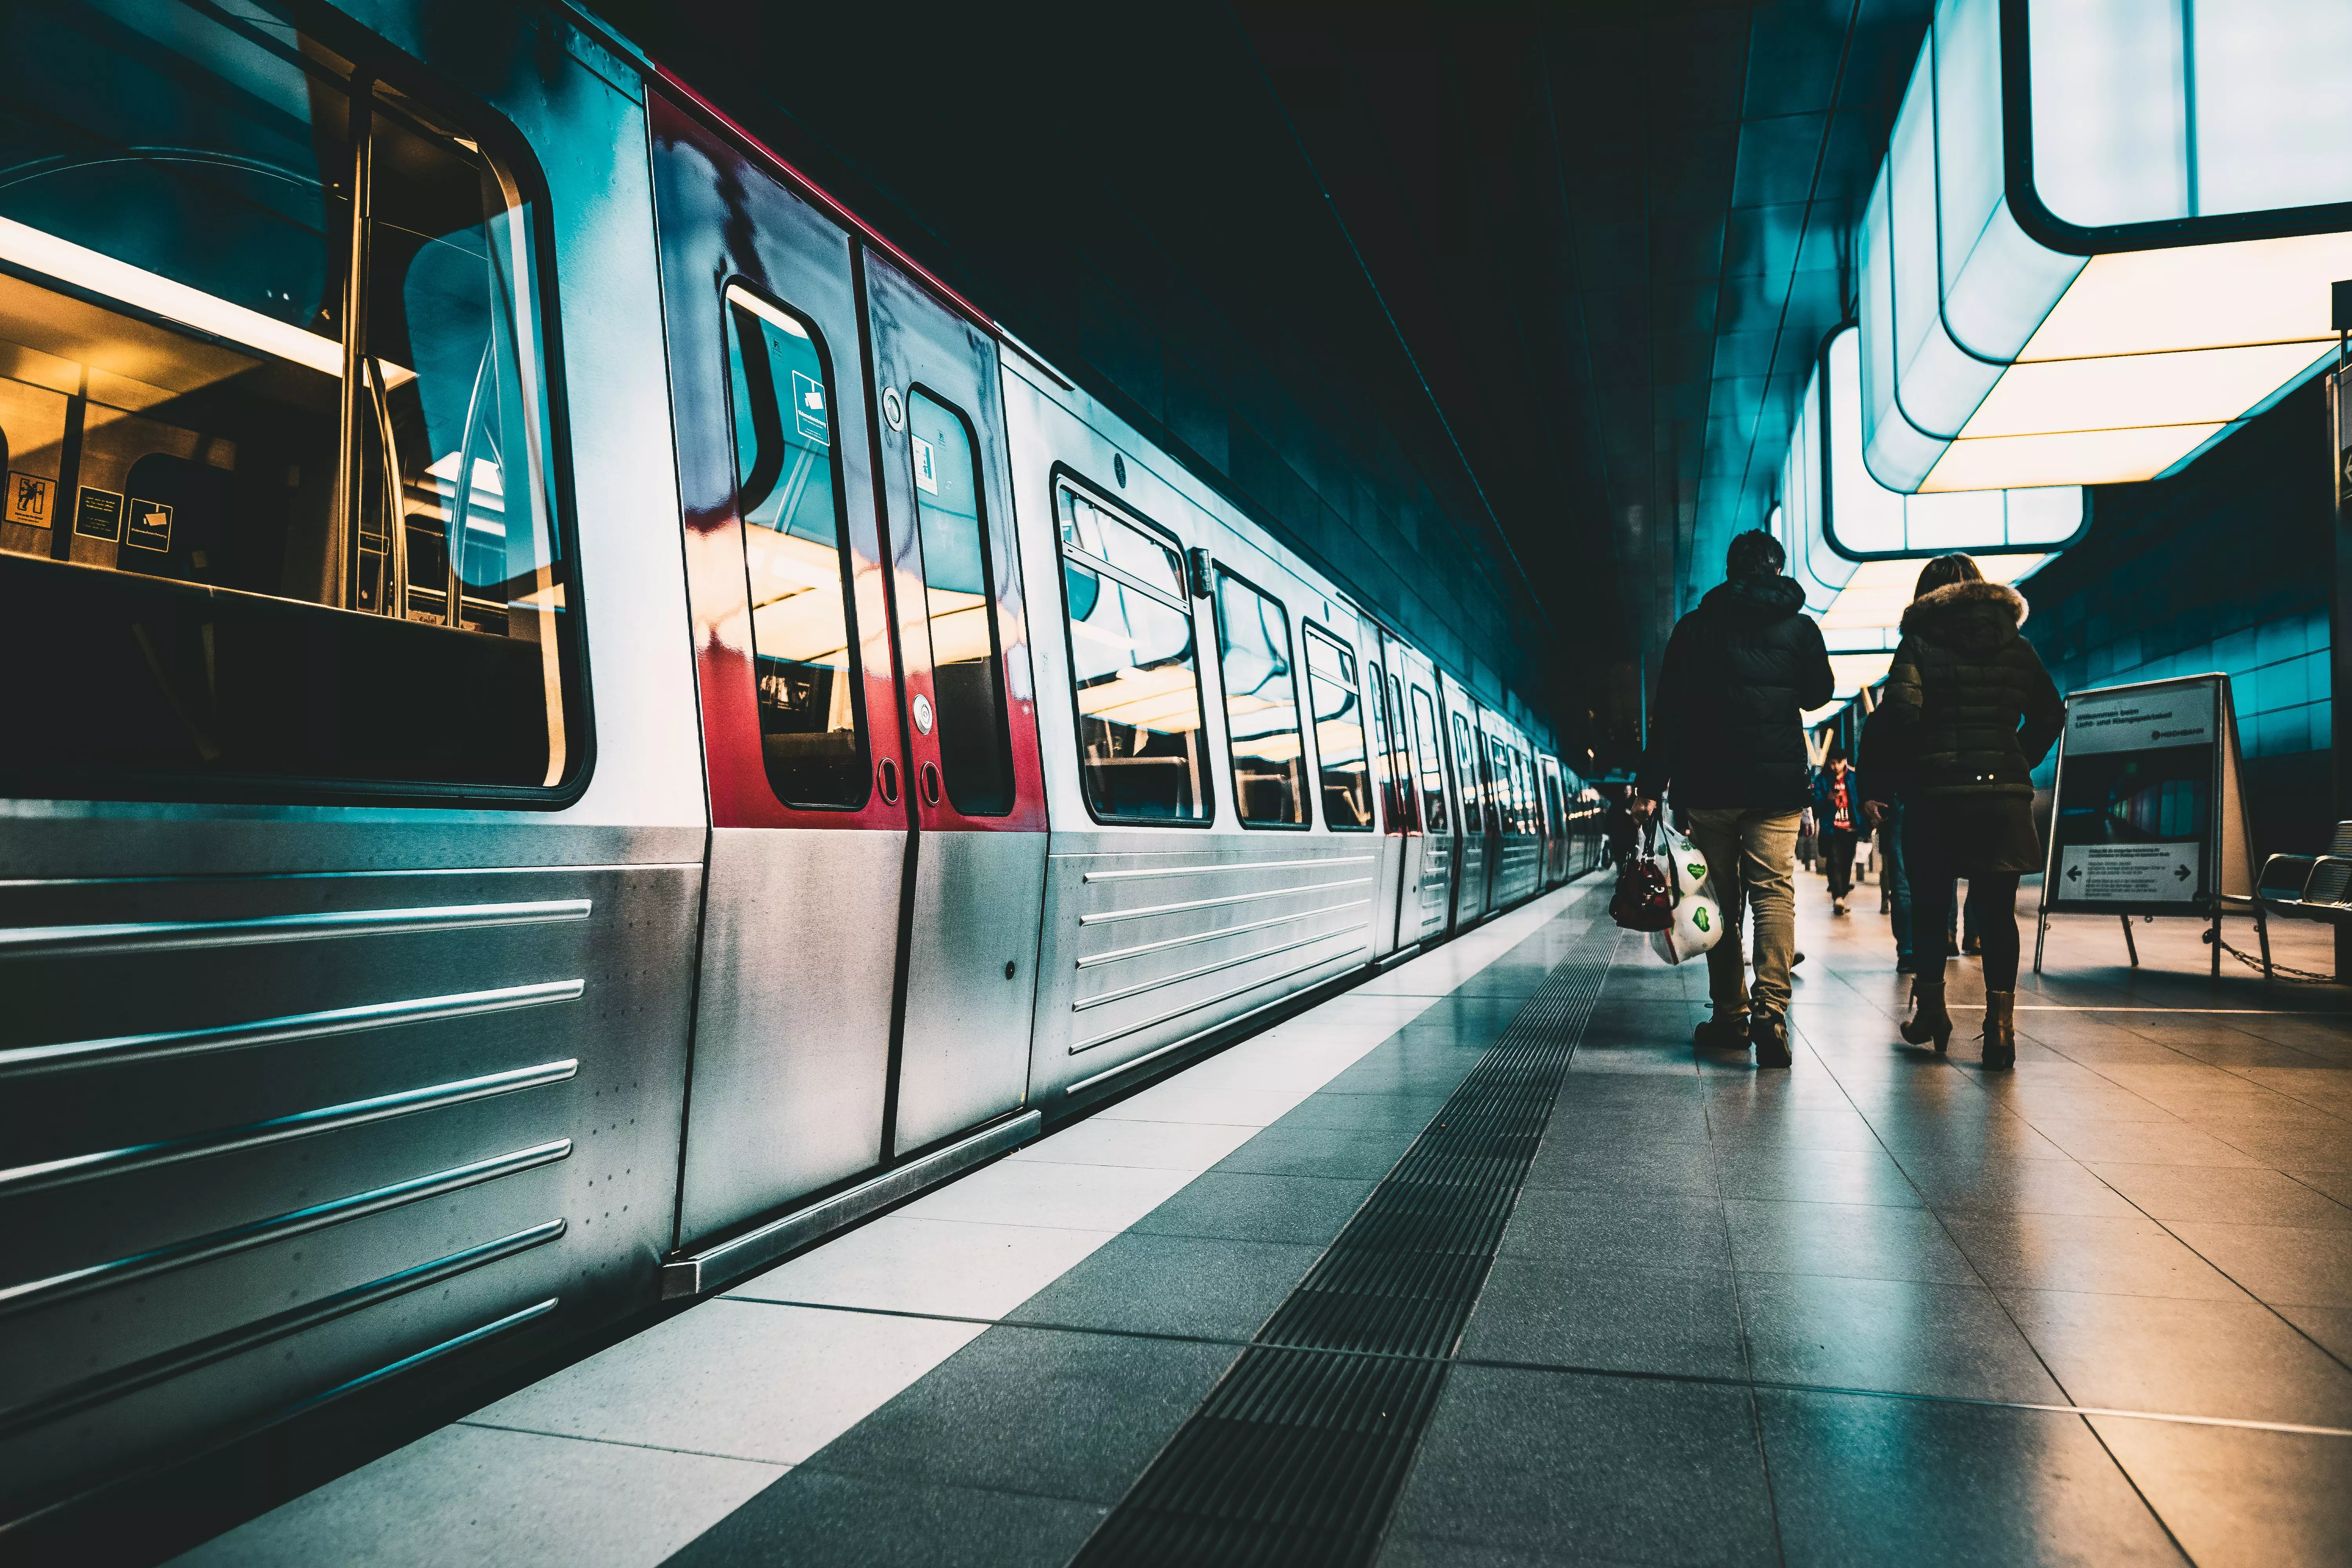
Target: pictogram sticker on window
{"x": 808, "y": 409}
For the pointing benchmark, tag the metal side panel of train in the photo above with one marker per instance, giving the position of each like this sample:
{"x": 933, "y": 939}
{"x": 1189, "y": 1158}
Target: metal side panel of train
{"x": 353, "y": 826}
{"x": 1195, "y": 876}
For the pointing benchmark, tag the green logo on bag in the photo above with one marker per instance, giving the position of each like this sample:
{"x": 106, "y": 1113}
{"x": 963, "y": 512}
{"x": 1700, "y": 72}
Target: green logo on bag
{"x": 1698, "y": 917}
{"x": 1696, "y": 868}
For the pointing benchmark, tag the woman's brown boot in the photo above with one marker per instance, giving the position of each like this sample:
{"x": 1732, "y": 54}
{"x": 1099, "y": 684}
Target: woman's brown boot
{"x": 2000, "y": 1029}
{"x": 1927, "y": 1020}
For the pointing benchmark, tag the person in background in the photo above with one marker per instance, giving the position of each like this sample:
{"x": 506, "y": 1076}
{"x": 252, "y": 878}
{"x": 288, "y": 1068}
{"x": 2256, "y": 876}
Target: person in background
{"x": 1969, "y": 710}
{"x": 1837, "y": 806}
{"x": 1727, "y": 735}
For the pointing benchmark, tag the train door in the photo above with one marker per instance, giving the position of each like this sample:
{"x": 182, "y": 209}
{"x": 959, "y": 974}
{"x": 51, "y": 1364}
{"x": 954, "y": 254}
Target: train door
{"x": 1474, "y": 859}
{"x": 1405, "y": 822}
{"x": 968, "y": 718}
{"x": 805, "y": 766}
{"x": 1425, "y": 907}
{"x": 1555, "y": 823}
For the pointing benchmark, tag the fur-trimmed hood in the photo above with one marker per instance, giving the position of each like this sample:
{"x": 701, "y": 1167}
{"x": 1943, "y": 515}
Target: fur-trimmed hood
{"x": 1973, "y": 617}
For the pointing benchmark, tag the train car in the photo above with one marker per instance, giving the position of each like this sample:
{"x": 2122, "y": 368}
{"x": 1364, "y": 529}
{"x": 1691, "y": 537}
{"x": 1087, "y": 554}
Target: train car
{"x": 451, "y": 907}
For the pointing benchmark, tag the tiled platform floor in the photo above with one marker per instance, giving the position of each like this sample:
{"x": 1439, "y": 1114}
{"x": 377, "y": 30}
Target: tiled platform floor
{"x": 1882, "y": 1307}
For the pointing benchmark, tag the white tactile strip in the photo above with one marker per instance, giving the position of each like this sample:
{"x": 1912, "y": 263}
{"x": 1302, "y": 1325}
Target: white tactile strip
{"x": 620, "y": 1459}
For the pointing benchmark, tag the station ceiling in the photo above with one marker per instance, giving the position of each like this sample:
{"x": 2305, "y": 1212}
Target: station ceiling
{"x": 1578, "y": 258}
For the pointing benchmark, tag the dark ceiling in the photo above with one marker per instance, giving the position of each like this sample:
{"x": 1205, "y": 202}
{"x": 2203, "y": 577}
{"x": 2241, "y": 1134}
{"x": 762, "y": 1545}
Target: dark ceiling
{"x": 1574, "y": 261}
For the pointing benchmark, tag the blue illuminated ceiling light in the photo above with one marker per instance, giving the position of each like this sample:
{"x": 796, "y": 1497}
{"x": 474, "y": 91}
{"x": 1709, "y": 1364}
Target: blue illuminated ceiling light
{"x": 2103, "y": 236}
{"x": 1856, "y": 547}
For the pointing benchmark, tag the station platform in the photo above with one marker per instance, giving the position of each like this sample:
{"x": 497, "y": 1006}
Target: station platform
{"x": 1482, "y": 1263}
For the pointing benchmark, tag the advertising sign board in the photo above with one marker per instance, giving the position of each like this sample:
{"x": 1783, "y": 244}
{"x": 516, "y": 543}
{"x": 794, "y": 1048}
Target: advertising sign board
{"x": 2150, "y": 815}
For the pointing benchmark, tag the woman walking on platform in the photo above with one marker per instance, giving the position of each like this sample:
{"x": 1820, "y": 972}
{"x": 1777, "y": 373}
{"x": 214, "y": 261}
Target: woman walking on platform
{"x": 1968, "y": 713}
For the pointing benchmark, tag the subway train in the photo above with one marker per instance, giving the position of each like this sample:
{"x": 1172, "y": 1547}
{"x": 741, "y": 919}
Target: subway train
{"x": 578, "y": 721}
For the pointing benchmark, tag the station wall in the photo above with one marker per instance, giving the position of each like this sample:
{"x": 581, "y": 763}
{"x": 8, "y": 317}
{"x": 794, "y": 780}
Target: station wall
{"x": 2224, "y": 567}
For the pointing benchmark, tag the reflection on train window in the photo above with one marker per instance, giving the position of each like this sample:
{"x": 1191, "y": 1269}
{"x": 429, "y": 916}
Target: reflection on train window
{"x": 244, "y": 547}
{"x": 786, "y": 493}
{"x": 1474, "y": 782}
{"x": 1135, "y": 665}
{"x": 1342, "y": 766}
{"x": 1261, "y": 707}
{"x": 959, "y": 588}
{"x": 1498, "y": 758}
{"x": 1433, "y": 766}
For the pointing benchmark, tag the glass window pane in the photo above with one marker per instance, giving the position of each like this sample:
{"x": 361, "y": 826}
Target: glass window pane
{"x": 1433, "y": 763}
{"x": 1261, "y": 707}
{"x": 1342, "y": 764}
{"x": 1477, "y": 791}
{"x": 960, "y": 591}
{"x": 1400, "y": 760}
{"x": 1133, "y": 659}
{"x": 803, "y": 644}
{"x": 173, "y": 426}
{"x": 1089, "y": 530}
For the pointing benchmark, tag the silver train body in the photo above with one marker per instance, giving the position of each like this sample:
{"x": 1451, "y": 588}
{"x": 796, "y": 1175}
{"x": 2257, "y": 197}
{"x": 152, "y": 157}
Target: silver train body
{"x": 327, "y": 1096}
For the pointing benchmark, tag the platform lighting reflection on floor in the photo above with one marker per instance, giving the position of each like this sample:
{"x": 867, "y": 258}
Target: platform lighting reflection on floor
{"x": 2146, "y": 269}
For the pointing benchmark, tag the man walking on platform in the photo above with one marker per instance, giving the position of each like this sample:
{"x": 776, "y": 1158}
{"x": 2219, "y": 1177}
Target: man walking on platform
{"x": 1838, "y": 808}
{"x": 1728, "y": 737}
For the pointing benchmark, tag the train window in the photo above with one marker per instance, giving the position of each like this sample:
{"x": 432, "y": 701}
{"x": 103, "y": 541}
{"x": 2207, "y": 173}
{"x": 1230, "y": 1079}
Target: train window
{"x": 804, "y": 646}
{"x": 1342, "y": 765}
{"x": 960, "y": 591}
{"x": 236, "y": 443}
{"x": 1432, "y": 764}
{"x": 1400, "y": 760}
{"x": 1261, "y": 707}
{"x": 1135, "y": 667}
{"x": 1466, "y": 767}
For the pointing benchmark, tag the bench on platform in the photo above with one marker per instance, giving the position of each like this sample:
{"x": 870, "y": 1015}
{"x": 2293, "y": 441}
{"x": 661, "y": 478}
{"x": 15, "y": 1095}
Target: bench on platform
{"x": 2311, "y": 887}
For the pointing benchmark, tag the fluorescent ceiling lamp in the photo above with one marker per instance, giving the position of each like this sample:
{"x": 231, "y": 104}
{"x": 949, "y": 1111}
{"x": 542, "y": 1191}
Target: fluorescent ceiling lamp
{"x": 2103, "y": 236}
{"x": 168, "y": 297}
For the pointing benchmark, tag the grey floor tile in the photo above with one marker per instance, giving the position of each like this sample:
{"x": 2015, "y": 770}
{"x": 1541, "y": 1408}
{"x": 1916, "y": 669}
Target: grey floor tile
{"x": 1576, "y": 1156}
{"x": 2103, "y": 1140}
{"x": 467, "y": 1494}
{"x": 1363, "y": 1154}
{"x": 1960, "y": 1183}
{"x": 1422, "y": 1551}
{"x": 1862, "y": 1241}
{"x": 1591, "y": 1468}
{"x": 1561, "y": 1313}
{"x": 1793, "y": 1128}
{"x": 2240, "y": 1498}
{"x": 1307, "y": 1211}
{"x": 1896, "y": 1336}
{"x": 2278, "y": 1264}
{"x": 1158, "y": 1284}
{"x": 819, "y": 1519}
{"x": 2121, "y": 1255}
{"x": 2224, "y": 1195}
{"x": 1670, "y": 1232}
{"x": 1814, "y": 1176}
{"x": 2236, "y": 1360}
{"x": 748, "y": 1380}
{"x": 1866, "y": 1481}
{"x": 1366, "y": 1112}
{"x": 1071, "y": 1416}
{"x": 2329, "y": 1327}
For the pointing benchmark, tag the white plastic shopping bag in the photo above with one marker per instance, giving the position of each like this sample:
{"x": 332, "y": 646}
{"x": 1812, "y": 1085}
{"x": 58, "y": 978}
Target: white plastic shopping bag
{"x": 1698, "y": 917}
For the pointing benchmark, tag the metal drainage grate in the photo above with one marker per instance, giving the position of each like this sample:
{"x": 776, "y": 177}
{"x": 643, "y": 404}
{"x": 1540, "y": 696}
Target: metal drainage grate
{"x": 1298, "y": 1455}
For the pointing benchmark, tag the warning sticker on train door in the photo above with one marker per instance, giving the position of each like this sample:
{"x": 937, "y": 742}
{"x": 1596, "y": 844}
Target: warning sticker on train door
{"x": 150, "y": 525}
{"x": 808, "y": 409}
{"x": 98, "y": 514}
{"x": 927, "y": 470}
{"x": 31, "y": 498}
{"x": 2130, "y": 873}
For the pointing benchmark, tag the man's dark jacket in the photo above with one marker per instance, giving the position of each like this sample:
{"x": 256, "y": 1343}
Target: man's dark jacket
{"x": 1739, "y": 671}
{"x": 1969, "y": 708}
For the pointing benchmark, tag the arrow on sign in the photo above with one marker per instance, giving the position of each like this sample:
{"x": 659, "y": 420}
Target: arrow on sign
{"x": 2073, "y": 873}
{"x": 2180, "y": 873}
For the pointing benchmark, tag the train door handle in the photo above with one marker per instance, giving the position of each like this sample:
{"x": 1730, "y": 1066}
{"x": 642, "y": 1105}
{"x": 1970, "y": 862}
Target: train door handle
{"x": 931, "y": 785}
{"x": 888, "y": 774}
